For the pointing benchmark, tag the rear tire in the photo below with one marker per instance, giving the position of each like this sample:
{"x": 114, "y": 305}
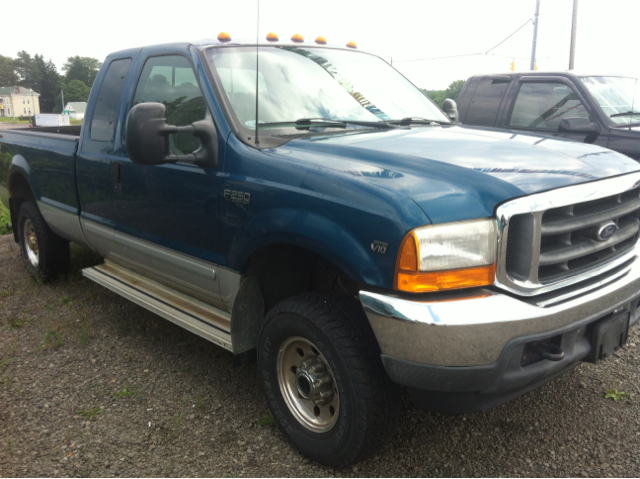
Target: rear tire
{"x": 45, "y": 254}
{"x": 320, "y": 369}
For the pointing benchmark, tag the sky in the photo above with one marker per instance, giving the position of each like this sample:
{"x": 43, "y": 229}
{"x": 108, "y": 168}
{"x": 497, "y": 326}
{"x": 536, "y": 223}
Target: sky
{"x": 413, "y": 35}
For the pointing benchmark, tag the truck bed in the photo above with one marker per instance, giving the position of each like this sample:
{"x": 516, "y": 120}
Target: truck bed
{"x": 46, "y": 158}
{"x": 67, "y": 131}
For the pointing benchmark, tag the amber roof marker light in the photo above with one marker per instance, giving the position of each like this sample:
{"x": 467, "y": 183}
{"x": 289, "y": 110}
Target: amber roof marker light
{"x": 297, "y": 38}
{"x": 272, "y": 37}
{"x": 352, "y": 44}
{"x": 320, "y": 40}
{"x": 224, "y": 37}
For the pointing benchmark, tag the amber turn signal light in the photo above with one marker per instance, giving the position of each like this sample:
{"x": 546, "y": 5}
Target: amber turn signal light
{"x": 418, "y": 282}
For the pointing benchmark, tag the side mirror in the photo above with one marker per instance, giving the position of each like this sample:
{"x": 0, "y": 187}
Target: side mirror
{"x": 147, "y": 138}
{"x": 580, "y": 125}
{"x": 451, "y": 109}
{"x": 577, "y": 125}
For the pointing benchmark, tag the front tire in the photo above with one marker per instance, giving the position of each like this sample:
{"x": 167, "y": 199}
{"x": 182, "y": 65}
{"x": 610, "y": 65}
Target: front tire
{"x": 320, "y": 369}
{"x": 45, "y": 254}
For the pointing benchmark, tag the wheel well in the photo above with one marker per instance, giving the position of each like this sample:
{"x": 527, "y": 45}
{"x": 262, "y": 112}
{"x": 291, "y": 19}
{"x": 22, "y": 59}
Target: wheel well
{"x": 285, "y": 270}
{"x": 19, "y": 192}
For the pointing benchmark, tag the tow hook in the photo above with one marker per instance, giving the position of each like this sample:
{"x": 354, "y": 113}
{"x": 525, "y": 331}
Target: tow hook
{"x": 550, "y": 351}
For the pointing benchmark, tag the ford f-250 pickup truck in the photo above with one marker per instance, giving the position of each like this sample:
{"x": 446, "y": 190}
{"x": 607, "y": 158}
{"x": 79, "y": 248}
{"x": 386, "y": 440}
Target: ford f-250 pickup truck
{"x": 591, "y": 108}
{"x": 347, "y": 234}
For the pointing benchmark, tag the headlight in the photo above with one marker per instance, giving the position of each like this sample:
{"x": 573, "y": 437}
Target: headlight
{"x": 447, "y": 256}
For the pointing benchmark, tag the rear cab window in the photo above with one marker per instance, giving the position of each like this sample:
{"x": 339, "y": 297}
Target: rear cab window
{"x": 103, "y": 123}
{"x": 485, "y": 103}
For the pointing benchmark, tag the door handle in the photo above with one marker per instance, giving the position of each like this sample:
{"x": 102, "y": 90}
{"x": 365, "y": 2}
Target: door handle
{"x": 116, "y": 175}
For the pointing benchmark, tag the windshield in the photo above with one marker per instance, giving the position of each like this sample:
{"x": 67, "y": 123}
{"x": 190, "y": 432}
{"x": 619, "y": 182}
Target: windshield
{"x": 616, "y": 96}
{"x": 296, "y": 83}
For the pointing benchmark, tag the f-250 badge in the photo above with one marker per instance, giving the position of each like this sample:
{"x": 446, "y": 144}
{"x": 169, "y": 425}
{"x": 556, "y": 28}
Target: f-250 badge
{"x": 238, "y": 197}
{"x": 379, "y": 247}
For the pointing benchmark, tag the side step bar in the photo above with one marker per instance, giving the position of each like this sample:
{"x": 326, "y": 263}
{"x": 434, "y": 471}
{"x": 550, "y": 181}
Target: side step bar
{"x": 200, "y": 318}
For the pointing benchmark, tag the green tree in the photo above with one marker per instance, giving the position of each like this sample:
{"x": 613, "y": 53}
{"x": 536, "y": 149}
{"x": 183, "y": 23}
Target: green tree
{"x": 8, "y": 75}
{"x": 80, "y": 68}
{"x": 75, "y": 90}
{"x": 452, "y": 92}
{"x": 48, "y": 83}
{"x": 25, "y": 68}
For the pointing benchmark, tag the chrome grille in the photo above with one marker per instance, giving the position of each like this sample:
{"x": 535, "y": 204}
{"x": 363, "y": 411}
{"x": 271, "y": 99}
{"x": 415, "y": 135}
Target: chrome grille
{"x": 569, "y": 240}
{"x": 554, "y": 239}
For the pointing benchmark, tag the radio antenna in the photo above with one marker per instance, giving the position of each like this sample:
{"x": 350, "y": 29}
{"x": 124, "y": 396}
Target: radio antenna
{"x": 257, "y": 37}
{"x": 633, "y": 102}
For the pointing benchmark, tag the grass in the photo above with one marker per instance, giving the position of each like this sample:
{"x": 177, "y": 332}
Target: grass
{"x": 91, "y": 413}
{"x": 267, "y": 420}
{"x": 124, "y": 393}
{"x": 52, "y": 340}
{"x": 5, "y": 217}
{"x": 10, "y": 119}
{"x": 5, "y": 362}
{"x": 615, "y": 394}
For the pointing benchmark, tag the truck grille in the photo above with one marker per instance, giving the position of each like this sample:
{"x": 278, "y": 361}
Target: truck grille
{"x": 557, "y": 241}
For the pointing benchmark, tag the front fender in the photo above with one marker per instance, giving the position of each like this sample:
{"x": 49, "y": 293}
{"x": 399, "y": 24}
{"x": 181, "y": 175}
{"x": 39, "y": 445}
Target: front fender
{"x": 311, "y": 231}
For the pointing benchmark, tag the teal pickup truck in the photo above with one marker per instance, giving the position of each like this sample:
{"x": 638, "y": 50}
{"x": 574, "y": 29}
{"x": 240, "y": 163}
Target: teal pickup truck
{"x": 306, "y": 206}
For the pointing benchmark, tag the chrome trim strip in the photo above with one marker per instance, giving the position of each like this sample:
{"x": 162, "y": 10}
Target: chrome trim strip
{"x": 473, "y": 331}
{"x": 193, "y": 276}
{"x": 559, "y": 299}
{"x": 63, "y": 223}
{"x": 540, "y": 202}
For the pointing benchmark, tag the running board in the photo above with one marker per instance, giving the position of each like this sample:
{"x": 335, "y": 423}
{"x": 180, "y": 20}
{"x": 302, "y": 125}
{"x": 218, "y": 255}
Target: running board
{"x": 200, "y": 318}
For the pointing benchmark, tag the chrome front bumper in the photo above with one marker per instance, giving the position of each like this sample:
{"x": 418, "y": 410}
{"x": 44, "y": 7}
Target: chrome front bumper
{"x": 474, "y": 331}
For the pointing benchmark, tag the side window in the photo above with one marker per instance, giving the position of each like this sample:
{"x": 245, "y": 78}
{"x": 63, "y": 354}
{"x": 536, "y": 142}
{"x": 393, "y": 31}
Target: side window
{"x": 170, "y": 80}
{"x": 543, "y": 106}
{"x": 104, "y": 116}
{"x": 485, "y": 103}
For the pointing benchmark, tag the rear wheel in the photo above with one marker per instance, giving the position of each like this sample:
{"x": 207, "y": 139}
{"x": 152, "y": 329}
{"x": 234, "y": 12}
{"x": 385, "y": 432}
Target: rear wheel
{"x": 323, "y": 378}
{"x": 44, "y": 253}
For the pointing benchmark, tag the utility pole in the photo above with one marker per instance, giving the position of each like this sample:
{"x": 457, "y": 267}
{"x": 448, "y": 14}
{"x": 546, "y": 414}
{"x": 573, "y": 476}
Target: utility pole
{"x": 535, "y": 37}
{"x": 574, "y": 27}
{"x": 62, "y": 93}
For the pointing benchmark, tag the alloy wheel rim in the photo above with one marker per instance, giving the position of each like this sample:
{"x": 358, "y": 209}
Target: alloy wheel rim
{"x": 308, "y": 385}
{"x": 31, "y": 243}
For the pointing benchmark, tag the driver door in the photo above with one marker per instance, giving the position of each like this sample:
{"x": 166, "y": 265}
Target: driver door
{"x": 542, "y": 103}
{"x": 167, "y": 215}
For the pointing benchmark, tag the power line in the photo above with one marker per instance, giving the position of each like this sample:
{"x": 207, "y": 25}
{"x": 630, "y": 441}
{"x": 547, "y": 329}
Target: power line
{"x": 472, "y": 54}
{"x": 438, "y": 58}
{"x": 523, "y": 25}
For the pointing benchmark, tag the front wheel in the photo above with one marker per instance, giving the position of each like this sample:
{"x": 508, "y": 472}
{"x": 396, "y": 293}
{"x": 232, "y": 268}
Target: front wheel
{"x": 320, "y": 369}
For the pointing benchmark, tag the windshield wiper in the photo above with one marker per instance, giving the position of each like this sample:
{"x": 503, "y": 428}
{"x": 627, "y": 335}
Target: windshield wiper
{"x": 412, "y": 120}
{"x": 304, "y": 123}
{"x": 625, "y": 114}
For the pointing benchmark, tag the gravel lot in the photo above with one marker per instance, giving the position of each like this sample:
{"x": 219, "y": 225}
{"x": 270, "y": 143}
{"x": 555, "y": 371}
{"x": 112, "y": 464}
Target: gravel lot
{"x": 93, "y": 385}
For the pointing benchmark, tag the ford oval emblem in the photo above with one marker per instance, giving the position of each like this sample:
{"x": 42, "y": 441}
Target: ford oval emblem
{"x": 606, "y": 231}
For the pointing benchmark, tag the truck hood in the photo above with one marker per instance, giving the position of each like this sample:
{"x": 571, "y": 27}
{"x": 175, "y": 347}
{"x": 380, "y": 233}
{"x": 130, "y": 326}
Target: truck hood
{"x": 457, "y": 172}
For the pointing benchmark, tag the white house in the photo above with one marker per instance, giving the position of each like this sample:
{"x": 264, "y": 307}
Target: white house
{"x": 18, "y": 101}
{"x": 76, "y": 109}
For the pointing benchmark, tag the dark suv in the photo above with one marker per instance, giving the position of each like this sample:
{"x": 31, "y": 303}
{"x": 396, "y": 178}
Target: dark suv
{"x": 600, "y": 109}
